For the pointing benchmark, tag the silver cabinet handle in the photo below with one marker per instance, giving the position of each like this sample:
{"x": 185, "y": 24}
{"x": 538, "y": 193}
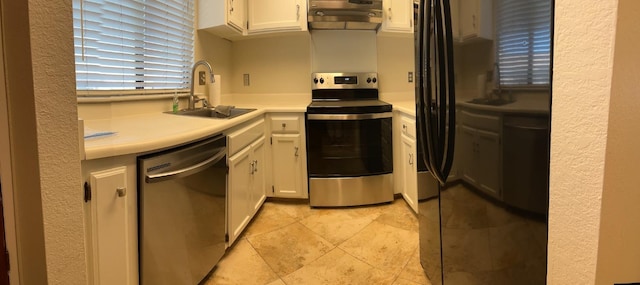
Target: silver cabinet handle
{"x": 255, "y": 166}
{"x": 297, "y": 12}
{"x": 251, "y": 169}
{"x": 284, "y": 125}
{"x": 296, "y": 148}
{"x": 121, "y": 191}
{"x": 411, "y": 159}
{"x": 231, "y": 4}
{"x": 390, "y": 13}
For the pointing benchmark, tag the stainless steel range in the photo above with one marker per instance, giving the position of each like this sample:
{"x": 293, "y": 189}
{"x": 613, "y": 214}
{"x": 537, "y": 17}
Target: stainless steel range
{"x": 349, "y": 138}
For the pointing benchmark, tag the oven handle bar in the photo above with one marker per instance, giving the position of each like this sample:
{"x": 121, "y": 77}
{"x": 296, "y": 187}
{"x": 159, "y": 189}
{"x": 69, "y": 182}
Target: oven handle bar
{"x": 348, "y": 117}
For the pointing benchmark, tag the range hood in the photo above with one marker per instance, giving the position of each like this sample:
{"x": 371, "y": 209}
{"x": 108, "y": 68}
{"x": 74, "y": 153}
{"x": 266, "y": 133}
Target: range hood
{"x": 345, "y": 14}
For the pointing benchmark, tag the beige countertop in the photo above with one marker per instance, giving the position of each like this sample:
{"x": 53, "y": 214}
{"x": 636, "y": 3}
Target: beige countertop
{"x": 144, "y": 133}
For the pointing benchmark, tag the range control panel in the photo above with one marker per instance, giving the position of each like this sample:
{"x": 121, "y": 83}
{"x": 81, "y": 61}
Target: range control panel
{"x": 359, "y": 80}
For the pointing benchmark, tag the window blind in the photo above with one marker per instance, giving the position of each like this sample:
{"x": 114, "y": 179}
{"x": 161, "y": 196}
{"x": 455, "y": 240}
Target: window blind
{"x": 133, "y": 44}
{"x": 523, "y": 42}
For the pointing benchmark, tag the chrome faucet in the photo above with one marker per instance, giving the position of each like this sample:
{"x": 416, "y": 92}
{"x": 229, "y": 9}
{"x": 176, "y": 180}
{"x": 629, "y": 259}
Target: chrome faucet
{"x": 192, "y": 98}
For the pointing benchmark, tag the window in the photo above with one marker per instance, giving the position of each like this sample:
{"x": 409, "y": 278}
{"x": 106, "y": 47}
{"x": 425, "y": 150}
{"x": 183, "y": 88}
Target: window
{"x": 524, "y": 42}
{"x": 133, "y": 44}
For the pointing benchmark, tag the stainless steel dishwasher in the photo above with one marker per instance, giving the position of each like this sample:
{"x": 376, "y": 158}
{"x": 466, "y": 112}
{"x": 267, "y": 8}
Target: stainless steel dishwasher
{"x": 182, "y": 208}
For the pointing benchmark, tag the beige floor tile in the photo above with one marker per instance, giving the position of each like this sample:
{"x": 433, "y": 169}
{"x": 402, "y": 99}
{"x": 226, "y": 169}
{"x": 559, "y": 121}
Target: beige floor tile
{"x": 242, "y": 265}
{"x": 289, "y": 248}
{"x": 298, "y": 209}
{"x": 385, "y": 247}
{"x": 337, "y": 267}
{"x": 466, "y": 250}
{"x": 401, "y": 281}
{"x": 399, "y": 215}
{"x": 271, "y": 217}
{"x": 413, "y": 271}
{"x": 277, "y": 282}
{"x": 336, "y": 226}
{"x": 514, "y": 245}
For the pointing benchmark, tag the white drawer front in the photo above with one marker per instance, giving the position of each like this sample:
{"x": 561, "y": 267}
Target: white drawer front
{"x": 285, "y": 124}
{"x": 243, "y": 137}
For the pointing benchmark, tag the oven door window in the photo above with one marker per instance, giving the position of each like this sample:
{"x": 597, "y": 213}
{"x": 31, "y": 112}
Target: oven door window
{"x": 347, "y": 148}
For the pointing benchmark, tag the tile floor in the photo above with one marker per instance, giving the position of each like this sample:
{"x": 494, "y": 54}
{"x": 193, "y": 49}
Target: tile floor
{"x": 291, "y": 243}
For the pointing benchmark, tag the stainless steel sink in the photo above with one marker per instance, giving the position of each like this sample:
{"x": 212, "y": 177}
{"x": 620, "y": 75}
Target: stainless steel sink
{"x": 492, "y": 102}
{"x": 211, "y": 113}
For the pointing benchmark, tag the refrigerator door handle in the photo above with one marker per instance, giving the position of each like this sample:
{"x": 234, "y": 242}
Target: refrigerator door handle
{"x": 437, "y": 116}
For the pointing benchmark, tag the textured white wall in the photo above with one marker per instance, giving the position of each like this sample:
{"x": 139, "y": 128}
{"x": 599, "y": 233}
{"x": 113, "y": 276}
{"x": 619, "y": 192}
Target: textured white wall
{"x": 583, "y": 58}
{"x": 619, "y": 250}
{"x": 51, "y": 33}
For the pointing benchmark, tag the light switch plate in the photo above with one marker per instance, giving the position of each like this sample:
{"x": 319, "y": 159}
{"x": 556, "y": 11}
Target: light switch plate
{"x": 202, "y": 78}
{"x": 245, "y": 78}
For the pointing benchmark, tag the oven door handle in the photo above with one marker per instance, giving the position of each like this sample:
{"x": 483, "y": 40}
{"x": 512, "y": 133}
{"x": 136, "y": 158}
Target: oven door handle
{"x": 348, "y": 117}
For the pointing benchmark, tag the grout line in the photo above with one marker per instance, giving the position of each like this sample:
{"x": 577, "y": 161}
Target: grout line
{"x": 263, "y": 260}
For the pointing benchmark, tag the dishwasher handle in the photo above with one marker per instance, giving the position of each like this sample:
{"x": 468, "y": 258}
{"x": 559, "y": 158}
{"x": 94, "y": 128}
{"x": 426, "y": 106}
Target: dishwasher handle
{"x": 187, "y": 170}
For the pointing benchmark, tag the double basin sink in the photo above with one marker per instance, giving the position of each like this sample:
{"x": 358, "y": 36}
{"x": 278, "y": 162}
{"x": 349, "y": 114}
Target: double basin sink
{"x": 212, "y": 113}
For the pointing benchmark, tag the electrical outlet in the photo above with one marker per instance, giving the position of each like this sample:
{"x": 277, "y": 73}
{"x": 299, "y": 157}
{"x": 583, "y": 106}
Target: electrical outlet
{"x": 410, "y": 76}
{"x": 489, "y": 75}
{"x": 202, "y": 80}
{"x": 245, "y": 78}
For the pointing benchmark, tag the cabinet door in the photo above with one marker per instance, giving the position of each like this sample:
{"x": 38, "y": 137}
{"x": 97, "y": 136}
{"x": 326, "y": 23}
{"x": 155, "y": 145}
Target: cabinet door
{"x": 287, "y": 165}
{"x": 488, "y": 157}
{"x": 258, "y": 180}
{"x": 410, "y": 170}
{"x": 109, "y": 217}
{"x": 398, "y": 16}
{"x": 238, "y": 210}
{"x": 277, "y": 15}
{"x": 236, "y": 13}
{"x": 468, "y": 18}
{"x": 475, "y": 19}
{"x": 468, "y": 156}
{"x": 455, "y": 19}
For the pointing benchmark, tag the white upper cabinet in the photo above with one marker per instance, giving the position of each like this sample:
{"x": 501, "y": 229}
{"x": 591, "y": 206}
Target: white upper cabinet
{"x": 397, "y": 16}
{"x": 276, "y": 16}
{"x": 235, "y": 19}
{"x": 475, "y": 19}
{"x": 225, "y": 18}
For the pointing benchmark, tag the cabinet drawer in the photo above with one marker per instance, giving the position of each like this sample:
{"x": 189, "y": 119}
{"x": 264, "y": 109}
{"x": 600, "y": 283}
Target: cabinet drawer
{"x": 408, "y": 126}
{"x": 285, "y": 124}
{"x": 481, "y": 121}
{"x": 243, "y": 137}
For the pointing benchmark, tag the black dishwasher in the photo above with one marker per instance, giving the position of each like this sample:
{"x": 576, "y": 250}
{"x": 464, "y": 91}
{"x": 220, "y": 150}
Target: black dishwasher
{"x": 181, "y": 210}
{"x": 525, "y": 162}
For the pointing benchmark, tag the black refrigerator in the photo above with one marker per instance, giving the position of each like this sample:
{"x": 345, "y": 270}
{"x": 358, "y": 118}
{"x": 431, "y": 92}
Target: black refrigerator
{"x": 483, "y": 93}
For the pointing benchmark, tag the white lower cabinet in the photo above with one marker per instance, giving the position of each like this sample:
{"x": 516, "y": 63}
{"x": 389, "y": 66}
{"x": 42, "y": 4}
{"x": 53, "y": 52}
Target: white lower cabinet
{"x": 288, "y": 156}
{"x": 111, "y": 220}
{"x": 405, "y": 166}
{"x": 410, "y": 170}
{"x": 480, "y": 148}
{"x": 287, "y": 165}
{"x": 246, "y": 182}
